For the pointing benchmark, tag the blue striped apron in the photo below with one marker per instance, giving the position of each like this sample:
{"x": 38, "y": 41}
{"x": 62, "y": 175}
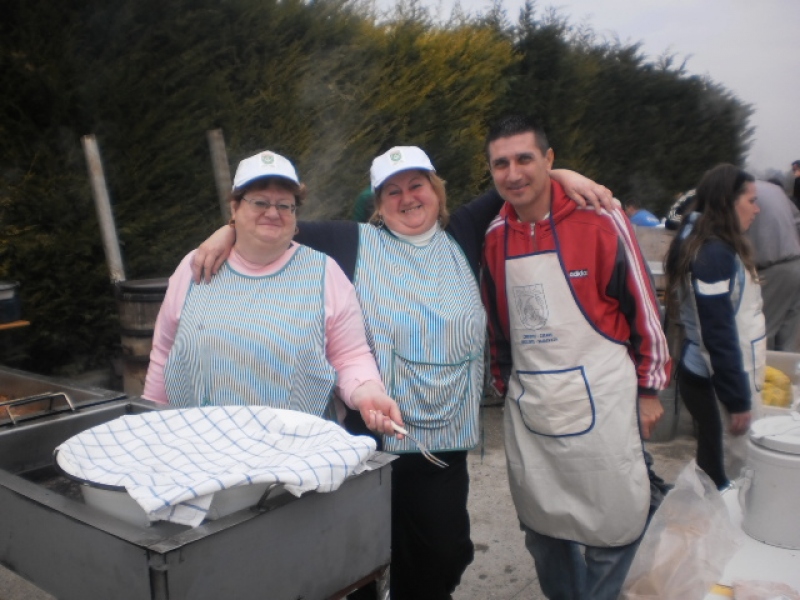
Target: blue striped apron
{"x": 426, "y": 326}
{"x": 255, "y": 340}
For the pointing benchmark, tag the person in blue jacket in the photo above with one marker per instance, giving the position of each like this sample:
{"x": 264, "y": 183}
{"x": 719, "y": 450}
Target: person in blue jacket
{"x": 711, "y": 273}
{"x": 640, "y": 216}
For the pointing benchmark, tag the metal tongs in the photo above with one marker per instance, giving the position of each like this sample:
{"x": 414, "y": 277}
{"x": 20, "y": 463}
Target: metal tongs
{"x": 422, "y": 447}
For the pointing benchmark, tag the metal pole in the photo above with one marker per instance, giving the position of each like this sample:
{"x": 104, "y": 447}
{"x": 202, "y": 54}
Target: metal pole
{"x": 222, "y": 170}
{"x": 103, "y": 207}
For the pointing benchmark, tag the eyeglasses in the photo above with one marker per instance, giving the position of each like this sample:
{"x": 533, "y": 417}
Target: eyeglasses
{"x": 264, "y": 206}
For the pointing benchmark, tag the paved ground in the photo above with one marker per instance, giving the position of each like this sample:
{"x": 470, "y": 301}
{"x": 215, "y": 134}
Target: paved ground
{"x": 503, "y": 569}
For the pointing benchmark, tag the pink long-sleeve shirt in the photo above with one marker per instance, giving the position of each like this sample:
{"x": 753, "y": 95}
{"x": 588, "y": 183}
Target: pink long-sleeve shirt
{"x": 345, "y": 341}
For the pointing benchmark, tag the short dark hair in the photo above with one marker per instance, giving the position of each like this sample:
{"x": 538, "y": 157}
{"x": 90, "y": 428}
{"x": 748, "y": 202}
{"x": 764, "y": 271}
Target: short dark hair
{"x": 633, "y": 202}
{"x": 515, "y": 125}
{"x": 796, "y": 164}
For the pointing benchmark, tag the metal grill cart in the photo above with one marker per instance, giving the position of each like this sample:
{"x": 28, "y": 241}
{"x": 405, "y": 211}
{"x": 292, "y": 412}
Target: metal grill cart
{"x": 315, "y": 547}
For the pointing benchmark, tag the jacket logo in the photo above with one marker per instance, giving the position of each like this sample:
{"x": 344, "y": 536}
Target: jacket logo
{"x": 531, "y": 305}
{"x": 578, "y": 273}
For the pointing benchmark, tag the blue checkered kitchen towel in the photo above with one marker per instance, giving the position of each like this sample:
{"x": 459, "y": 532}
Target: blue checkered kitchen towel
{"x": 173, "y": 461}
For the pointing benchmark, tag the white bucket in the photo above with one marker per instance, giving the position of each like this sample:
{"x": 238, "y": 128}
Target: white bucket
{"x": 770, "y": 488}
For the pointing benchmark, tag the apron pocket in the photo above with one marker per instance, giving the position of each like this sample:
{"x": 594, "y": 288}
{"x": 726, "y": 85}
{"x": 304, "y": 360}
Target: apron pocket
{"x": 556, "y": 403}
{"x": 430, "y": 394}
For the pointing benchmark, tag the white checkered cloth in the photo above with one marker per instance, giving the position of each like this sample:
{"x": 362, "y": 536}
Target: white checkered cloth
{"x": 172, "y": 461}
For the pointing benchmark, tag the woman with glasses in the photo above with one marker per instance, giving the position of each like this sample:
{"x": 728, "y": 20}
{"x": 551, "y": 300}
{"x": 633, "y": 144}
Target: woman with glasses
{"x": 414, "y": 270}
{"x": 280, "y": 325}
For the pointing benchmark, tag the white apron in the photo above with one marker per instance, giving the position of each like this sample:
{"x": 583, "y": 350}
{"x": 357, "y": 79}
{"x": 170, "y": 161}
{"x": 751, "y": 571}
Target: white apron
{"x": 575, "y": 458}
{"x": 752, "y": 332}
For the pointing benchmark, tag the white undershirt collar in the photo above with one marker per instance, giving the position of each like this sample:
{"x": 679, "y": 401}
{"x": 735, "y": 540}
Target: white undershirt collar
{"x": 421, "y": 239}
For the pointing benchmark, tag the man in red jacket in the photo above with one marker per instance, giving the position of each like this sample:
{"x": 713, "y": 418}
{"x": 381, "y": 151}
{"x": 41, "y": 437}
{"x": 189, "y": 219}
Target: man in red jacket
{"x": 578, "y": 350}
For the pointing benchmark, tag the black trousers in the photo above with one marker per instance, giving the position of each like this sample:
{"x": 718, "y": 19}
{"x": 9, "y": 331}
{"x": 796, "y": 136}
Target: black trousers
{"x": 701, "y": 402}
{"x": 431, "y": 546}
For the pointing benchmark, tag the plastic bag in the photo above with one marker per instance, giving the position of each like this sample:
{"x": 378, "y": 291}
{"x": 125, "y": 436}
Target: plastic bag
{"x": 687, "y": 544}
{"x": 763, "y": 590}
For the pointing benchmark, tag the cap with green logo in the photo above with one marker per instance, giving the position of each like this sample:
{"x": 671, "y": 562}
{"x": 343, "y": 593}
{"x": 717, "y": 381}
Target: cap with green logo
{"x": 264, "y": 164}
{"x": 399, "y": 158}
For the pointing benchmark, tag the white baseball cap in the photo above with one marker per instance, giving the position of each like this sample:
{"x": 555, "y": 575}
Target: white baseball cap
{"x": 399, "y": 158}
{"x": 264, "y": 164}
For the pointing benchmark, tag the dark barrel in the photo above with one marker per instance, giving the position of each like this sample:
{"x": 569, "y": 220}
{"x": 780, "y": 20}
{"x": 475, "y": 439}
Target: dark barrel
{"x": 9, "y": 301}
{"x": 138, "y": 302}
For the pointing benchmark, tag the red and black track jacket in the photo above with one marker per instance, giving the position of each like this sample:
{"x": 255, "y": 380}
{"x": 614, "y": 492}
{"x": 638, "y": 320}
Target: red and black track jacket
{"x": 609, "y": 278}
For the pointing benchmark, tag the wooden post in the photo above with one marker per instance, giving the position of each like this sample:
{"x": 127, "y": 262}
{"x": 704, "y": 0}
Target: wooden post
{"x": 222, "y": 171}
{"x": 103, "y": 207}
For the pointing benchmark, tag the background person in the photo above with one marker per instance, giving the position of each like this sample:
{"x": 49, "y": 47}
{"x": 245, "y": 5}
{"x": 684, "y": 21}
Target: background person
{"x": 364, "y": 206}
{"x": 680, "y": 207}
{"x": 711, "y": 274}
{"x": 577, "y": 348}
{"x": 796, "y": 183}
{"x": 640, "y": 216}
{"x": 280, "y": 325}
{"x": 775, "y": 237}
{"x": 414, "y": 269}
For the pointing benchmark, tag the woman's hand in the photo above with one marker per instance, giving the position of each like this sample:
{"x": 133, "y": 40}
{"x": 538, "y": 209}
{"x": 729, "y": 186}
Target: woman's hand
{"x": 740, "y": 423}
{"x": 583, "y": 191}
{"x": 650, "y": 411}
{"x": 212, "y": 253}
{"x": 377, "y": 409}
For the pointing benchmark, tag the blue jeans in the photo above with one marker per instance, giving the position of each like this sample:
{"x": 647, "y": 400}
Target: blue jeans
{"x": 571, "y": 571}
{"x": 568, "y": 573}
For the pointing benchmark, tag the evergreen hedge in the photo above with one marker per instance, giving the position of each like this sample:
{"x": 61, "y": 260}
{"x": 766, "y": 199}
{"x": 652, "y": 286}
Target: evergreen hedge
{"x": 328, "y": 84}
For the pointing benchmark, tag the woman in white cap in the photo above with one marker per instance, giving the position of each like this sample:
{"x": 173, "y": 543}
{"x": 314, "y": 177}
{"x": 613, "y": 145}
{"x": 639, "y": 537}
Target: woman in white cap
{"x": 414, "y": 270}
{"x": 280, "y": 325}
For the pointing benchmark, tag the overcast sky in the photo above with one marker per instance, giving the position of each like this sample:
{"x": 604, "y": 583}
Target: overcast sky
{"x": 751, "y": 47}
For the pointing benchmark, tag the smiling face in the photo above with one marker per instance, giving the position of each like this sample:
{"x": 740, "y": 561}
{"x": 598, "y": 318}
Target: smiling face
{"x": 521, "y": 174}
{"x": 408, "y": 203}
{"x": 260, "y": 231}
{"x": 746, "y": 206}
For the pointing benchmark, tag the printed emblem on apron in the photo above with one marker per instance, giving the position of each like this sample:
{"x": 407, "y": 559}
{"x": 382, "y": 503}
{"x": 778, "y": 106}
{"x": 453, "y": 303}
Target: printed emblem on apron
{"x": 531, "y": 306}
